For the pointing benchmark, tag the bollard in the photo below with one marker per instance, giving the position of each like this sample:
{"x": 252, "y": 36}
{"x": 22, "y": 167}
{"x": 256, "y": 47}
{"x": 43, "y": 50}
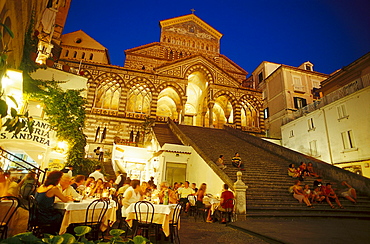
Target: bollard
{"x": 240, "y": 197}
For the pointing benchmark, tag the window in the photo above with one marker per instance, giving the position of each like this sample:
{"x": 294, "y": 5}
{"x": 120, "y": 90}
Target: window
{"x": 75, "y": 54}
{"x": 308, "y": 67}
{"x": 298, "y": 84}
{"x": 342, "y": 112}
{"x": 315, "y": 83}
{"x": 139, "y": 99}
{"x": 313, "y": 148}
{"x": 108, "y": 95}
{"x": 311, "y": 125}
{"x": 83, "y": 56}
{"x": 299, "y": 102}
{"x": 260, "y": 77}
{"x": 348, "y": 139}
{"x": 66, "y": 54}
{"x": 266, "y": 113}
{"x": 291, "y": 133}
{"x": 91, "y": 56}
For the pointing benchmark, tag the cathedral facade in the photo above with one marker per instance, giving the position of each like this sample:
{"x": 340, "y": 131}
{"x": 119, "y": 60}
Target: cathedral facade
{"x": 183, "y": 77}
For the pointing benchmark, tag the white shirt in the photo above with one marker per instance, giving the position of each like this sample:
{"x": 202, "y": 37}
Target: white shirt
{"x": 97, "y": 175}
{"x": 69, "y": 191}
{"x": 135, "y": 197}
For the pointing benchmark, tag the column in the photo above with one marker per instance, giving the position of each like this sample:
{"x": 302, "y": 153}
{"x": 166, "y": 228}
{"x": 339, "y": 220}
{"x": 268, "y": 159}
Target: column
{"x": 210, "y": 107}
{"x": 240, "y": 197}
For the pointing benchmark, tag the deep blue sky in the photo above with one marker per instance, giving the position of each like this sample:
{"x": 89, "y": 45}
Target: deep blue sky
{"x": 329, "y": 33}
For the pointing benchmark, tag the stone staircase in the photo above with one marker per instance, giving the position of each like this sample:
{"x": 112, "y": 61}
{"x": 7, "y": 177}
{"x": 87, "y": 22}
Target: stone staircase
{"x": 265, "y": 175}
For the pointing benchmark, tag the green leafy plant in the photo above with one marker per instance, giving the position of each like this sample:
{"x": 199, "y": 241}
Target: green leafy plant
{"x": 79, "y": 237}
{"x": 15, "y": 121}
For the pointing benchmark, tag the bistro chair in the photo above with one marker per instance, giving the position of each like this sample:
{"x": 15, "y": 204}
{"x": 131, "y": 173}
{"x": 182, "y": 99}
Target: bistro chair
{"x": 34, "y": 226}
{"x": 9, "y": 206}
{"x": 28, "y": 190}
{"x": 201, "y": 210}
{"x": 174, "y": 224}
{"x": 94, "y": 217}
{"x": 192, "y": 208}
{"x": 144, "y": 212}
{"x": 228, "y": 212}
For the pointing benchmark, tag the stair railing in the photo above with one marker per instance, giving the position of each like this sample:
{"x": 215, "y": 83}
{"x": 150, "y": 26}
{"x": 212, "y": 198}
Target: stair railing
{"x": 9, "y": 156}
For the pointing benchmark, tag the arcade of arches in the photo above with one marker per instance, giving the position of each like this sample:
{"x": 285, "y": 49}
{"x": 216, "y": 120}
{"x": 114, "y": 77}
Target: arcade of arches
{"x": 197, "y": 86}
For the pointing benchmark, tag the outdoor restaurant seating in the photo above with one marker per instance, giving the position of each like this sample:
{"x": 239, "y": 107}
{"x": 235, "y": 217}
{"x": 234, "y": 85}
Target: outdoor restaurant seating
{"x": 228, "y": 212}
{"x": 8, "y": 206}
{"x": 34, "y": 226}
{"x": 94, "y": 216}
{"x": 144, "y": 212}
{"x": 174, "y": 224}
{"x": 201, "y": 211}
{"x": 192, "y": 208}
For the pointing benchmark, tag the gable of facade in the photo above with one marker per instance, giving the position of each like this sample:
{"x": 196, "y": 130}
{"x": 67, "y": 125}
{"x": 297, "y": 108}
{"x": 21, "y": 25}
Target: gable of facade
{"x": 79, "y": 46}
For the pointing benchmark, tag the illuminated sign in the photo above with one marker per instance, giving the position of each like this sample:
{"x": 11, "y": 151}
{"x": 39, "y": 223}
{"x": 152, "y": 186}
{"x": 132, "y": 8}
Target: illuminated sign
{"x": 42, "y": 134}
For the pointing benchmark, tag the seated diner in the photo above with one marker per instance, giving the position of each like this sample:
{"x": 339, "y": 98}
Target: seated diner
{"x": 45, "y": 196}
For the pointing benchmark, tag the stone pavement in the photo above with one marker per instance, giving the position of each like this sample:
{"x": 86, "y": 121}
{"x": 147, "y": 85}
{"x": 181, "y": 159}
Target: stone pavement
{"x": 307, "y": 230}
{"x": 200, "y": 232}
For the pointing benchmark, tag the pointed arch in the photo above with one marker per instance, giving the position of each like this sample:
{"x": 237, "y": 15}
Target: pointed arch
{"x": 108, "y": 91}
{"x": 139, "y": 96}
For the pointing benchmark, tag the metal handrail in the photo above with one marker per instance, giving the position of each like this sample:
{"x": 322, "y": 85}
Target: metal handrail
{"x": 37, "y": 170}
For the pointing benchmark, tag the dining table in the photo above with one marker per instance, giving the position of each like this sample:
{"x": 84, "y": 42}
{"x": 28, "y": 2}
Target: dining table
{"x": 75, "y": 212}
{"x": 162, "y": 215}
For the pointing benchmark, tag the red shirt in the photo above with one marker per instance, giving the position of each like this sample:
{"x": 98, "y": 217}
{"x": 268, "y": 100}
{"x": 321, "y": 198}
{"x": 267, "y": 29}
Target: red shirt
{"x": 226, "y": 195}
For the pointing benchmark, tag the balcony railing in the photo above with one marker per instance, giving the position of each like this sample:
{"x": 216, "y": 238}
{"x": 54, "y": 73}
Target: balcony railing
{"x": 331, "y": 97}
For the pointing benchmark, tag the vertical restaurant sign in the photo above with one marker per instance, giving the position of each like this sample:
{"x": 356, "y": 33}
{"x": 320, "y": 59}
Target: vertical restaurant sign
{"x": 42, "y": 133}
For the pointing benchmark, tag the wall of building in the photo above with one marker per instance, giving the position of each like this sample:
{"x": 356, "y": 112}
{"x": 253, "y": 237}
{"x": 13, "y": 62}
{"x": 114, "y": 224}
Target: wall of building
{"x": 329, "y": 128}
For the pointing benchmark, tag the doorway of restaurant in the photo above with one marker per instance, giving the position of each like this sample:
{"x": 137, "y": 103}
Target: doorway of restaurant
{"x": 175, "y": 172}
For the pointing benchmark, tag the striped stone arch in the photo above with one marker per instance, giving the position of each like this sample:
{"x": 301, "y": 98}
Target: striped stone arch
{"x": 231, "y": 96}
{"x": 199, "y": 67}
{"x": 101, "y": 78}
{"x": 172, "y": 85}
{"x": 141, "y": 80}
{"x": 253, "y": 100}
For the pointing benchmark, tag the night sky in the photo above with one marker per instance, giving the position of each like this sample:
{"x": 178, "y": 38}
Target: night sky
{"x": 329, "y": 33}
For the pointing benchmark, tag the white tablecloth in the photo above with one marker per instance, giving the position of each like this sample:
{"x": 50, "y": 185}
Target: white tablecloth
{"x": 75, "y": 212}
{"x": 162, "y": 215}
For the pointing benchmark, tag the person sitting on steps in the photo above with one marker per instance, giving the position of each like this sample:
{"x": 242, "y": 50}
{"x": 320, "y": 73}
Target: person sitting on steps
{"x": 237, "y": 161}
{"x": 331, "y": 196}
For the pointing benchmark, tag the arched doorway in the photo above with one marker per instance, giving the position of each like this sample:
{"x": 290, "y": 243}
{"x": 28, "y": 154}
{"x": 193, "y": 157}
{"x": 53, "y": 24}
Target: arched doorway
{"x": 196, "y": 93}
{"x": 168, "y": 102}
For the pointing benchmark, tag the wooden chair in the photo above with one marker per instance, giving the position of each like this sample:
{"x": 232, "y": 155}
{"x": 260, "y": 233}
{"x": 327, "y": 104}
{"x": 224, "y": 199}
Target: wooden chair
{"x": 174, "y": 224}
{"x": 201, "y": 210}
{"x": 9, "y": 207}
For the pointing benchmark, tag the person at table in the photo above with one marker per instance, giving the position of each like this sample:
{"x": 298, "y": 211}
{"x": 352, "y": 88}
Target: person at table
{"x": 79, "y": 184}
{"x": 45, "y": 196}
{"x": 164, "y": 190}
{"x": 200, "y": 200}
{"x": 132, "y": 195}
{"x": 98, "y": 188}
{"x": 68, "y": 169}
{"x": 125, "y": 186}
{"x": 184, "y": 192}
{"x": 97, "y": 174}
{"x": 66, "y": 188}
{"x": 26, "y": 184}
{"x": 224, "y": 203}
{"x": 194, "y": 187}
